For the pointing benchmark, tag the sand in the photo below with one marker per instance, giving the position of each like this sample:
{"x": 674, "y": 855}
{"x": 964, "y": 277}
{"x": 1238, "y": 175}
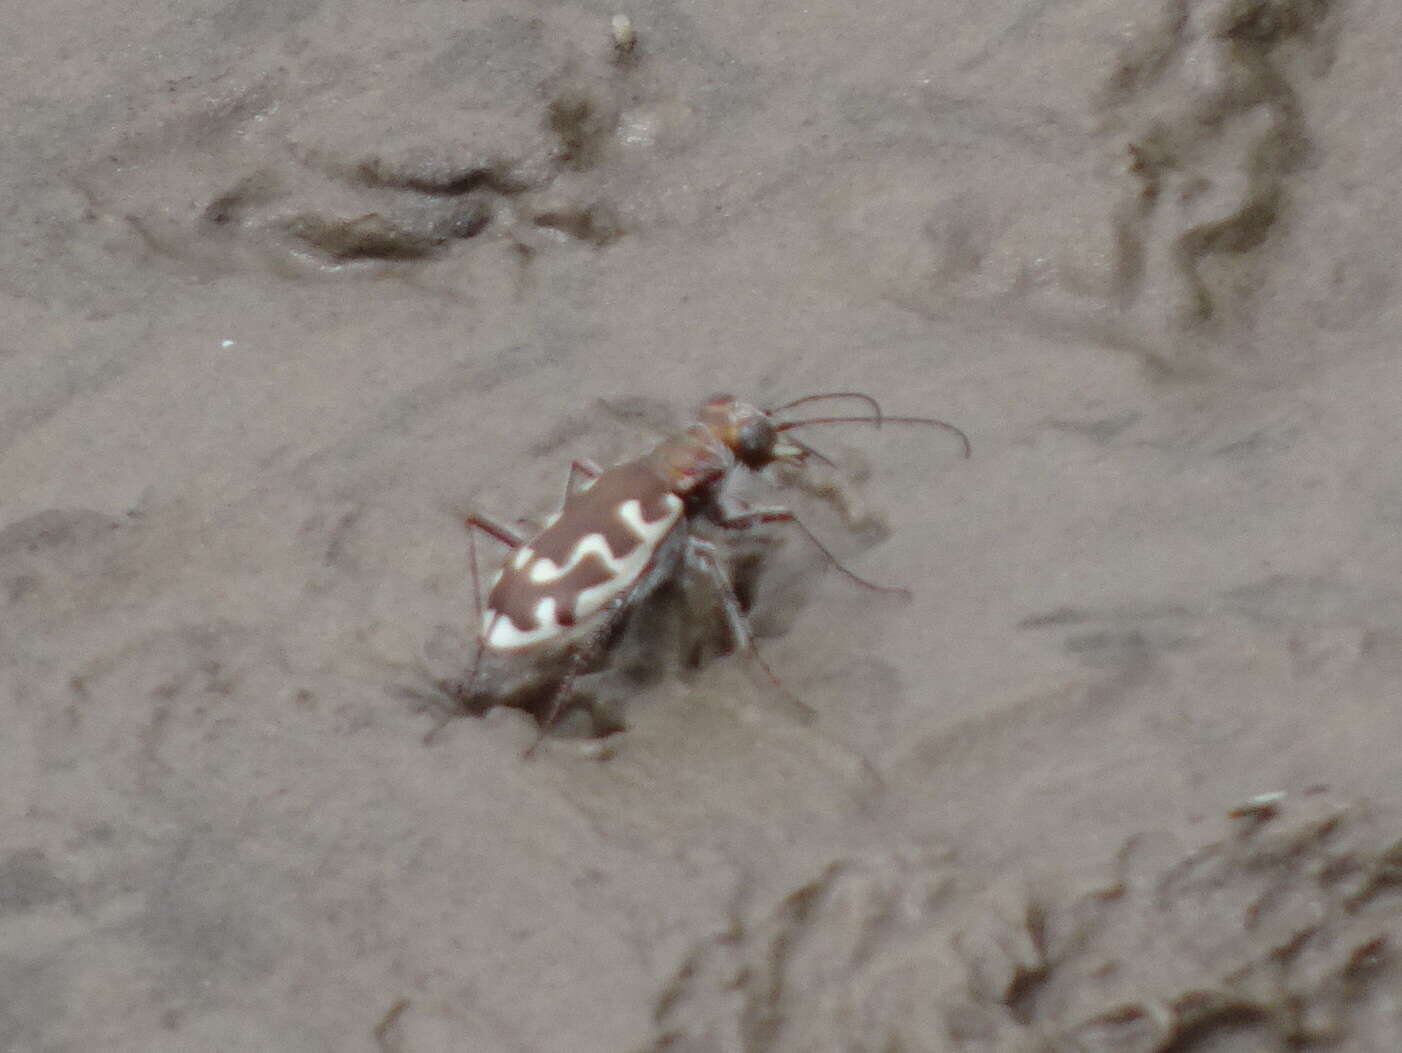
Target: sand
{"x": 290, "y": 288}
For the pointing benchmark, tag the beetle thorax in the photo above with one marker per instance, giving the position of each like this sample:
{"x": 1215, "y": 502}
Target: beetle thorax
{"x": 692, "y": 462}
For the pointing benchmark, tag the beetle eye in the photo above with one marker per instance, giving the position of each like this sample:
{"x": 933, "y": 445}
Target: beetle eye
{"x": 754, "y": 442}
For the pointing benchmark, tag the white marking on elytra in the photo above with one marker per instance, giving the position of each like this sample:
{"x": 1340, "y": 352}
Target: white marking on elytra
{"x": 596, "y": 597}
{"x": 544, "y": 571}
{"x": 504, "y": 636}
{"x": 545, "y": 611}
{"x": 626, "y": 570}
{"x": 631, "y": 512}
{"x": 623, "y": 569}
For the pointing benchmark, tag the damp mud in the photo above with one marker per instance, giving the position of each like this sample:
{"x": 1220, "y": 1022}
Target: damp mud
{"x": 290, "y": 289}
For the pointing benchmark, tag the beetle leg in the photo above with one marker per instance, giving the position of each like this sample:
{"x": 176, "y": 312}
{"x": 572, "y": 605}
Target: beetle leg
{"x": 507, "y": 537}
{"x": 512, "y": 540}
{"x": 489, "y": 526}
{"x": 701, "y": 555}
{"x": 755, "y": 517}
{"x": 584, "y": 654}
{"x": 584, "y": 467}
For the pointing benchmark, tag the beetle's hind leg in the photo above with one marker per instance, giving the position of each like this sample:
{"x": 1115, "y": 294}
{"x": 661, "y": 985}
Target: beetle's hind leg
{"x": 460, "y": 694}
{"x": 512, "y": 540}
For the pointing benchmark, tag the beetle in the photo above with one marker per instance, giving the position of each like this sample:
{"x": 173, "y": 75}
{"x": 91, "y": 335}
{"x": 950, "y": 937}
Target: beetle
{"x": 563, "y": 594}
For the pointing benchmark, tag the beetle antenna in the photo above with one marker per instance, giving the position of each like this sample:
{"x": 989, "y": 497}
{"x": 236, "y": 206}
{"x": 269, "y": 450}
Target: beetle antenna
{"x": 875, "y": 406}
{"x": 968, "y": 446}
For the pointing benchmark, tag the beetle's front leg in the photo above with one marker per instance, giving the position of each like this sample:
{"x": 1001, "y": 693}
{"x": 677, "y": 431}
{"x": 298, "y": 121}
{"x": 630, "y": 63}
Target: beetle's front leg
{"x": 755, "y": 517}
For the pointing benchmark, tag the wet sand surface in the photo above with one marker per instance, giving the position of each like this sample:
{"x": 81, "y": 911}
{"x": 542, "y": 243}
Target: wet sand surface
{"x": 290, "y": 288}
